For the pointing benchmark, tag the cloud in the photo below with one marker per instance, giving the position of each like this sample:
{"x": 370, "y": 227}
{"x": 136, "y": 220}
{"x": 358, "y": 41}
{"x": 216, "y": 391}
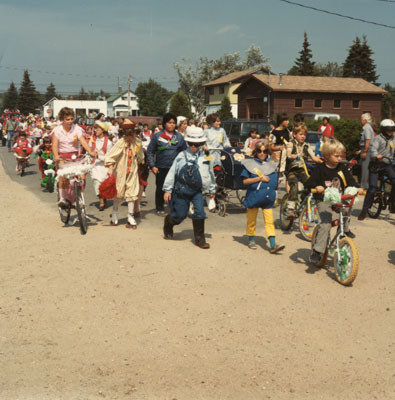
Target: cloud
{"x": 227, "y": 28}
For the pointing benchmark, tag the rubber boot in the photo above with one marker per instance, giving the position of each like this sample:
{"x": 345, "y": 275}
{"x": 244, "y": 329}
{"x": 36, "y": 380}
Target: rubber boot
{"x": 198, "y": 231}
{"x": 168, "y": 227}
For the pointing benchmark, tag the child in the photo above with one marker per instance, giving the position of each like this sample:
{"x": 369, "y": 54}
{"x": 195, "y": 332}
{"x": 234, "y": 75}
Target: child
{"x": 331, "y": 173}
{"x": 260, "y": 177}
{"x": 22, "y": 149}
{"x": 189, "y": 177}
{"x": 146, "y": 136}
{"x": 298, "y": 153}
{"x": 37, "y": 133}
{"x": 159, "y": 127}
{"x": 123, "y": 159}
{"x": 101, "y": 145}
{"x": 318, "y": 147}
{"x": 44, "y": 152}
{"x": 251, "y": 140}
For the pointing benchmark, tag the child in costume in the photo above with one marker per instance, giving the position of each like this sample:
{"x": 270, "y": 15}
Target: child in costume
{"x": 298, "y": 153}
{"x": 330, "y": 174}
{"x": 260, "y": 177}
{"x": 45, "y": 153}
{"x": 101, "y": 145}
{"x": 190, "y": 176}
{"x": 123, "y": 159}
{"x": 22, "y": 149}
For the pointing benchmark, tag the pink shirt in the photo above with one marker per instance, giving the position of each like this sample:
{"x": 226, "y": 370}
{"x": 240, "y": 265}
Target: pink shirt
{"x": 68, "y": 141}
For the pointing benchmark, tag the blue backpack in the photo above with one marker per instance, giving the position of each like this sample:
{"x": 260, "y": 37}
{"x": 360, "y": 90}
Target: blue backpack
{"x": 189, "y": 180}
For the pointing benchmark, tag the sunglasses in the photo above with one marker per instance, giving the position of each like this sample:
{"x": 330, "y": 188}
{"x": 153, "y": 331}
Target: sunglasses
{"x": 195, "y": 144}
{"x": 261, "y": 151}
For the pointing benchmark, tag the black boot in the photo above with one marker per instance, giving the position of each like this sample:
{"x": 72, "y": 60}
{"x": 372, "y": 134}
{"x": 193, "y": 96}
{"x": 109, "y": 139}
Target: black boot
{"x": 198, "y": 231}
{"x": 168, "y": 227}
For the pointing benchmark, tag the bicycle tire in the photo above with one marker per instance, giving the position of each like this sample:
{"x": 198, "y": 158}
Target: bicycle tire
{"x": 324, "y": 256}
{"x": 220, "y": 206}
{"x": 285, "y": 222}
{"x": 306, "y": 228}
{"x": 377, "y": 205}
{"x": 347, "y": 270}
{"x": 51, "y": 185}
{"x": 64, "y": 213}
{"x": 80, "y": 207}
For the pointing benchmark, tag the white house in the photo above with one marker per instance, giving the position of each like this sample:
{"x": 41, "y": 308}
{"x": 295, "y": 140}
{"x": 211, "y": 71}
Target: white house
{"x": 82, "y": 108}
{"x": 117, "y": 105}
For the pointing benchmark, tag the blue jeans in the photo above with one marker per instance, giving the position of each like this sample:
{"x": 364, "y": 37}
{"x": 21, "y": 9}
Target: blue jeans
{"x": 10, "y": 135}
{"x": 389, "y": 171}
{"x": 179, "y": 206}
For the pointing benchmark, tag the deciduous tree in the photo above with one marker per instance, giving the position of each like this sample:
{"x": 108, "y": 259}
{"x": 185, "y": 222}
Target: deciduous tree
{"x": 152, "y": 98}
{"x": 179, "y": 105}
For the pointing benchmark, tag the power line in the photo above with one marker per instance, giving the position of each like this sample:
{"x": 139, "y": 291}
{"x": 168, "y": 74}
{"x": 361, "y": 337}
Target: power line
{"x": 338, "y": 14}
{"x": 387, "y": 1}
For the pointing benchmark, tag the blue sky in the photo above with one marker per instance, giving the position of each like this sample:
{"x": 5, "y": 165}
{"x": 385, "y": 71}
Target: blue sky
{"x": 91, "y": 43}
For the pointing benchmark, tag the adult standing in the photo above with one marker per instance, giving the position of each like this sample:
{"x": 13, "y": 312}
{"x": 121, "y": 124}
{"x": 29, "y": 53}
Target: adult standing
{"x": 10, "y": 128}
{"x": 367, "y": 136}
{"x": 326, "y": 128}
{"x": 161, "y": 152}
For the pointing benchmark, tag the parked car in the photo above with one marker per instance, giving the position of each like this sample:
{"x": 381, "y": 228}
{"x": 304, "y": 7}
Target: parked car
{"x": 239, "y": 130}
{"x": 316, "y": 116}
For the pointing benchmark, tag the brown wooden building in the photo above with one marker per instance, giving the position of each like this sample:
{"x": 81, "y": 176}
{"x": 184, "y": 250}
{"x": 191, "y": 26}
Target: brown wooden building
{"x": 261, "y": 96}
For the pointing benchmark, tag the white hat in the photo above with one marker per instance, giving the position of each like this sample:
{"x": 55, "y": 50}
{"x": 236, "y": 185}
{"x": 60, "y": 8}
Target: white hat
{"x": 195, "y": 135}
{"x": 180, "y": 118}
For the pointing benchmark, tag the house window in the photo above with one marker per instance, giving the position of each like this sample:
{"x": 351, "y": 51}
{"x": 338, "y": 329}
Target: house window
{"x": 317, "y": 103}
{"x": 298, "y": 103}
{"x": 211, "y": 90}
{"x": 355, "y": 104}
{"x": 337, "y": 103}
{"x": 222, "y": 89}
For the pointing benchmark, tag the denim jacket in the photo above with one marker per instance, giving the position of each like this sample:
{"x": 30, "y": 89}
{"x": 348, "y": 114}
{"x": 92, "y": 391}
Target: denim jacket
{"x": 205, "y": 169}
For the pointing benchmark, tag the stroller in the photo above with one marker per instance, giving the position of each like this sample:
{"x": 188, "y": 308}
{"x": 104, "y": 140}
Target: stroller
{"x": 230, "y": 185}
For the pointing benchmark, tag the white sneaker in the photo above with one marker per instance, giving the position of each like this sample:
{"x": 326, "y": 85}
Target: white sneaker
{"x": 131, "y": 220}
{"x": 114, "y": 218}
{"x": 144, "y": 195}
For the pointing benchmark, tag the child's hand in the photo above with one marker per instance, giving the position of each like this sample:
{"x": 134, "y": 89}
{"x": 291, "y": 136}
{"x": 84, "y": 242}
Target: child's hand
{"x": 167, "y": 197}
{"x": 320, "y": 189}
{"x": 265, "y": 178}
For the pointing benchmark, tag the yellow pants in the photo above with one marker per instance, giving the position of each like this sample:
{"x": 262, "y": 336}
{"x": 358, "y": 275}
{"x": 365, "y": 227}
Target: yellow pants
{"x": 268, "y": 218}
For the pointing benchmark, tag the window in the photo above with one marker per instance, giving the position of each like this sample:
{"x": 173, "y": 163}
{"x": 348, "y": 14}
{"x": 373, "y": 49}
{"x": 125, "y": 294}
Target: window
{"x": 337, "y": 103}
{"x": 298, "y": 103}
{"x": 317, "y": 103}
{"x": 211, "y": 90}
{"x": 222, "y": 89}
{"x": 355, "y": 104}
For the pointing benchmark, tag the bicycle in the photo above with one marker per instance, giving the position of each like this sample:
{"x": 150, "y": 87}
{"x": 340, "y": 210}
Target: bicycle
{"x": 305, "y": 209}
{"x": 74, "y": 174}
{"x": 22, "y": 161}
{"x": 345, "y": 251}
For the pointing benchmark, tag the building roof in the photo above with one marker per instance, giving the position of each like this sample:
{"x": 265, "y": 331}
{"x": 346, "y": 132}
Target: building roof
{"x": 290, "y": 83}
{"x": 117, "y": 95}
{"x": 234, "y": 76}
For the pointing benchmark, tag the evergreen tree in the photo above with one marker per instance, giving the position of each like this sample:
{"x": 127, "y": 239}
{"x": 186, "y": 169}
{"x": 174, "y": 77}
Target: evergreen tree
{"x": 388, "y": 109}
{"x": 11, "y": 98}
{"x": 29, "y": 100}
{"x": 225, "y": 112}
{"x": 82, "y": 95}
{"x": 152, "y": 98}
{"x": 50, "y": 93}
{"x": 359, "y": 62}
{"x": 303, "y": 65}
{"x": 179, "y": 105}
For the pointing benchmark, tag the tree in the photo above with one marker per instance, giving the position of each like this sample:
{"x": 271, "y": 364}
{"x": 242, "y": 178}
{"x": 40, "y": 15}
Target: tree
{"x": 303, "y": 65}
{"x": 329, "y": 69}
{"x": 50, "y": 93}
{"x": 179, "y": 105}
{"x": 82, "y": 95}
{"x": 11, "y": 98}
{"x": 29, "y": 99}
{"x": 225, "y": 112}
{"x": 359, "y": 62}
{"x": 388, "y": 102}
{"x": 192, "y": 76}
{"x": 152, "y": 98}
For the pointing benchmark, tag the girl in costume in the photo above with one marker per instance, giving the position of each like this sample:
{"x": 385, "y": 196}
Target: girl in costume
{"x": 45, "y": 153}
{"x": 123, "y": 159}
{"x": 260, "y": 177}
{"x": 22, "y": 149}
{"x": 100, "y": 145}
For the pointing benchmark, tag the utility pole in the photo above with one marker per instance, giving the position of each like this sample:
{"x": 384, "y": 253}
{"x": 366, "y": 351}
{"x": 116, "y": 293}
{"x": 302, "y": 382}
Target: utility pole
{"x": 129, "y": 81}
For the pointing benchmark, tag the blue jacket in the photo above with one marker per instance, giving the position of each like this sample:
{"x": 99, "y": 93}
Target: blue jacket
{"x": 162, "y": 152}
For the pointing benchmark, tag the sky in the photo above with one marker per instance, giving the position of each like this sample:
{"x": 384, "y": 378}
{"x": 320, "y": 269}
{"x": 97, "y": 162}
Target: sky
{"x": 93, "y": 43}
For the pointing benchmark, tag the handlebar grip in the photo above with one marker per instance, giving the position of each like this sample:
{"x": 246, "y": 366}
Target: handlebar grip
{"x": 313, "y": 190}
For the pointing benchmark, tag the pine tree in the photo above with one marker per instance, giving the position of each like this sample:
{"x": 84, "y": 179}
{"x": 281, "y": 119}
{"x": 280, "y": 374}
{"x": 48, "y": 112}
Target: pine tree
{"x": 359, "y": 62}
{"x": 303, "y": 65}
{"x": 82, "y": 95}
{"x": 179, "y": 105}
{"x": 50, "y": 93}
{"x": 28, "y": 98}
{"x": 11, "y": 98}
{"x": 225, "y": 112}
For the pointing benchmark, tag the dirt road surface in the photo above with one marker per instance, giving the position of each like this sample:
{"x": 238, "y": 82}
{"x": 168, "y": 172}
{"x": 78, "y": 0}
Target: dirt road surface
{"x": 121, "y": 314}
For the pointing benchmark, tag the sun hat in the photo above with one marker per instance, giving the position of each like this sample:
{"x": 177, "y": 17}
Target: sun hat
{"x": 128, "y": 124}
{"x": 180, "y": 119}
{"x": 195, "y": 135}
{"x": 102, "y": 125}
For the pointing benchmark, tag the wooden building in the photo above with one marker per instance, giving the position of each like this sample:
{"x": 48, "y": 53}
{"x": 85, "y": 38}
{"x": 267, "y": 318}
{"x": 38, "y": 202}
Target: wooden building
{"x": 262, "y": 96}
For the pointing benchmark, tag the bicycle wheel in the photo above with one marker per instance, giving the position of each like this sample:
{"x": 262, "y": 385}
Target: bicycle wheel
{"x": 51, "y": 184}
{"x": 220, "y": 207}
{"x": 346, "y": 268}
{"x": 285, "y": 222}
{"x": 377, "y": 205}
{"x": 306, "y": 227}
{"x": 64, "y": 212}
{"x": 80, "y": 207}
{"x": 324, "y": 256}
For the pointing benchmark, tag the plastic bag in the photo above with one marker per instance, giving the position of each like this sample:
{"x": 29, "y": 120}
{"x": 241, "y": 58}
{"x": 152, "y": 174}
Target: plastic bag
{"x": 332, "y": 196}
